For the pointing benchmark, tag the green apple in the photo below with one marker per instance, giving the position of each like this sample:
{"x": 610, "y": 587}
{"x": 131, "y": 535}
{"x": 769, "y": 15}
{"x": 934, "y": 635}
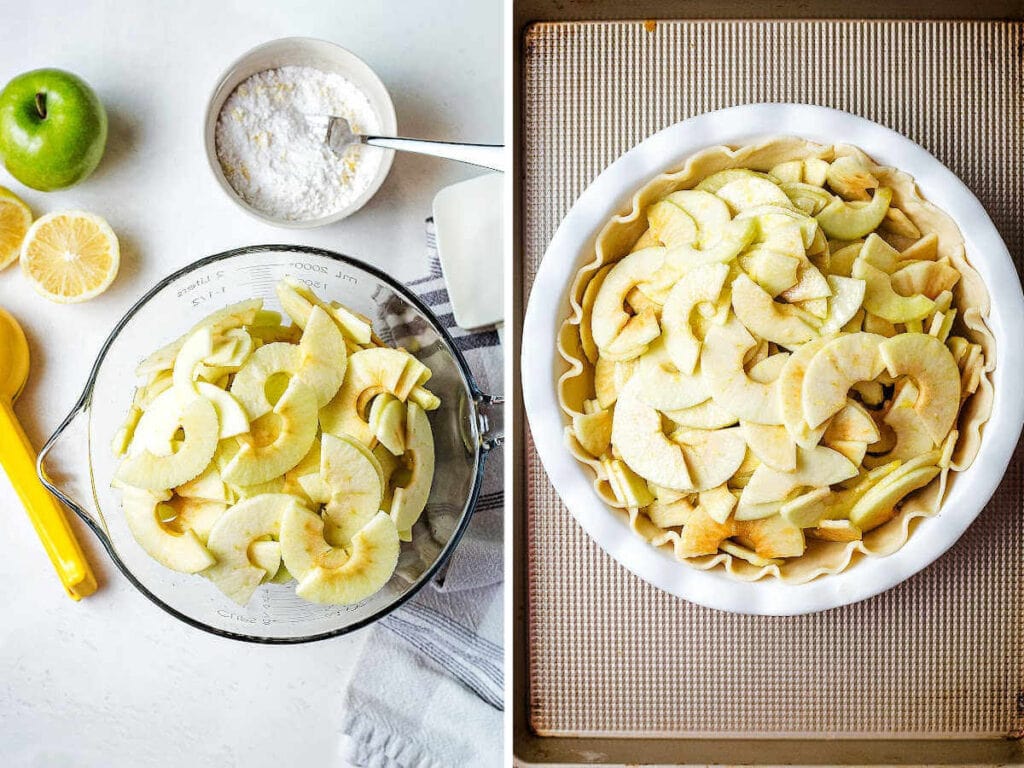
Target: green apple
{"x": 53, "y": 129}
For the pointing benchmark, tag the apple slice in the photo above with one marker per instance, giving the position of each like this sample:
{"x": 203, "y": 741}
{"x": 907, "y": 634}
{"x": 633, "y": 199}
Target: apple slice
{"x": 847, "y": 297}
{"x": 323, "y": 356}
{"x": 735, "y": 236}
{"x": 158, "y": 473}
{"x": 207, "y": 487}
{"x": 587, "y": 311}
{"x": 773, "y": 271}
{"x": 670, "y": 514}
{"x": 911, "y": 436}
{"x": 752, "y": 191}
{"x": 841, "y": 260}
{"x": 610, "y": 376}
{"x": 771, "y": 444}
{"x": 721, "y": 364}
{"x": 387, "y": 420}
{"x": 815, "y": 468}
{"x": 788, "y": 171}
{"x": 772, "y": 537}
{"x": 353, "y": 476}
{"x": 847, "y": 221}
{"x": 370, "y": 373}
{"x": 745, "y": 553}
{"x": 702, "y": 284}
{"x": 837, "y": 530}
{"x": 233, "y": 535}
{"x": 195, "y": 349}
{"x": 179, "y": 551}
{"x": 930, "y": 365}
{"x": 718, "y": 503}
{"x": 671, "y": 225}
{"x": 712, "y": 456}
{"x": 709, "y": 213}
{"x": 808, "y": 198}
{"x": 593, "y": 431}
{"x": 702, "y": 534}
{"x": 717, "y": 180}
{"x": 836, "y": 367}
{"x": 298, "y": 301}
{"x": 296, "y": 414}
{"x": 878, "y": 505}
{"x": 663, "y": 386}
{"x": 810, "y": 284}
{"x": 929, "y": 278}
{"x": 614, "y": 330}
{"x": 638, "y": 437}
{"x": 880, "y": 298}
{"x": 766, "y": 318}
{"x": 278, "y": 359}
{"x": 706, "y": 415}
{"x": 815, "y": 171}
{"x": 790, "y": 393}
{"x": 629, "y": 489}
{"x": 852, "y": 423}
{"x": 267, "y": 556}
{"x": 373, "y": 557}
{"x": 925, "y": 249}
{"x": 849, "y": 177}
{"x": 410, "y": 498}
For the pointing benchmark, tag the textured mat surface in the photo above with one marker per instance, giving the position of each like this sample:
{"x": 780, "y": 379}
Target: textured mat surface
{"x": 940, "y": 655}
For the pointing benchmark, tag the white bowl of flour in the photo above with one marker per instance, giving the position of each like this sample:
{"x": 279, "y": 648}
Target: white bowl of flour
{"x": 262, "y": 150}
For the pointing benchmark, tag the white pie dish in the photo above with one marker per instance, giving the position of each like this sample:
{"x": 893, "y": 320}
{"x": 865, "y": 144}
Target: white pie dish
{"x": 610, "y": 194}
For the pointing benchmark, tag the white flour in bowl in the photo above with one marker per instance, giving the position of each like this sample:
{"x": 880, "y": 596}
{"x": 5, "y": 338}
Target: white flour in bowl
{"x": 272, "y": 157}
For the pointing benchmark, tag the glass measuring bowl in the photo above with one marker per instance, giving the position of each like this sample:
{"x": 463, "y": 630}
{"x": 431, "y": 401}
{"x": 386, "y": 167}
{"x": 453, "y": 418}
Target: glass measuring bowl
{"x": 77, "y": 463}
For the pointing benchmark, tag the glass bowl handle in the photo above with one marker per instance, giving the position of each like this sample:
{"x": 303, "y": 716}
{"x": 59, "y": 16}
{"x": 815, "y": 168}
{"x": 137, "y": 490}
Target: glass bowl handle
{"x": 490, "y": 417}
{"x": 64, "y": 468}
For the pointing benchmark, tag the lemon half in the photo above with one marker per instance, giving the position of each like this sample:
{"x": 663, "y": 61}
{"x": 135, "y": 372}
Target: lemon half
{"x": 15, "y": 220}
{"x": 70, "y": 256}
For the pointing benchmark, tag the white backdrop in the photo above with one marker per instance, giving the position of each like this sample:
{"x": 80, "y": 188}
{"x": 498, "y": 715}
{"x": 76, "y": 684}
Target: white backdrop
{"x": 113, "y": 681}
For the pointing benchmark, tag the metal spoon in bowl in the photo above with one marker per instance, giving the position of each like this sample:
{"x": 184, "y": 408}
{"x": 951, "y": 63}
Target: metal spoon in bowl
{"x": 339, "y": 137}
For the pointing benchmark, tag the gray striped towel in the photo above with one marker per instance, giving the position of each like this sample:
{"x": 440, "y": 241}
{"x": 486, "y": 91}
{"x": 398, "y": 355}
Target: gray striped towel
{"x": 427, "y": 692}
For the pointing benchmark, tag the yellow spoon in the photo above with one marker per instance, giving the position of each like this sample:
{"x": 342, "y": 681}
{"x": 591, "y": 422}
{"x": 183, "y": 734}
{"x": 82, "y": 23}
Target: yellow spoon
{"x": 19, "y": 460}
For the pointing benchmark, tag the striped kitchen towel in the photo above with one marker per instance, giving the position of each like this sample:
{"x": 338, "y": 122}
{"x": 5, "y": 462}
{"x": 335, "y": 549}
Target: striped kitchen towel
{"x": 428, "y": 691}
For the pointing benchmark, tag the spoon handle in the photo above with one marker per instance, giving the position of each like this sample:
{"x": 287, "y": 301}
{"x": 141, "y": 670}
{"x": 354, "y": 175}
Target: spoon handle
{"x": 19, "y": 461}
{"x": 485, "y": 155}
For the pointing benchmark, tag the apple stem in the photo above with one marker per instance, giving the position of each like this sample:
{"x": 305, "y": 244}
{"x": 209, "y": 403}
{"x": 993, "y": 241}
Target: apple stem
{"x": 41, "y": 105}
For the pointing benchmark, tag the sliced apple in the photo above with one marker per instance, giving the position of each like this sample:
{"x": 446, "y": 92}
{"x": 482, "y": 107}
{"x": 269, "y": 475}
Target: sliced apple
{"x": 323, "y": 355}
{"x": 158, "y": 473}
{"x": 373, "y": 557}
{"x": 722, "y": 368}
{"x": 209, "y": 486}
{"x": 370, "y": 373}
{"x": 735, "y": 236}
{"x": 182, "y": 552}
{"x": 878, "y": 505}
{"x": 930, "y": 365}
{"x": 712, "y": 456}
{"x": 410, "y": 498}
{"x": 836, "y": 367}
{"x": 706, "y": 415}
{"x": 702, "y": 284}
{"x": 772, "y": 537}
{"x": 717, "y": 180}
{"x": 195, "y": 349}
{"x": 629, "y": 489}
{"x": 837, "y": 530}
{"x": 852, "y": 423}
{"x": 708, "y": 211}
{"x": 354, "y": 478}
{"x": 296, "y": 414}
{"x": 613, "y": 329}
{"x": 196, "y": 515}
{"x": 593, "y": 431}
{"x": 925, "y": 249}
{"x": 766, "y": 318}
{"x": 718, "y": 503}
{"x": 880, "y": 298}
{"x": 849, "y": 177}
{"x": 670, "y": 514}
{"x": 847, "y": 221}
{"x": 267, "y": 556}
{"x": 847, "y": 297}
{"x": 387, "y": 420}
{"x": 841, "y": 260}
{"x": 230, "y": 349}
{"x": 929, "y": 278}
{"x": 815, "y": 171}
{"x": 609, "y": 379}
{"x": 671, "y": 225}
{"x": 751, "y": 191}
{"x": 815, "y": 468}
{"x": 638, "y": 437}
{"x": 772, "y": 270}
{"x": 233, "y": 535}
{"x": 808, "y": 198}
{"x": 298, "y": 301}
{"x": 911, "y": 436}
{"x": 702, "y": 534}
{"x": 663, "y": 386}
{"x": 789, "y": 171}
{"x": 771, "y": 444}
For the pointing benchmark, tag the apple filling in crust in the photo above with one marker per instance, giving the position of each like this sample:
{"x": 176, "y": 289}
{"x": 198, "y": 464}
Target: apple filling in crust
{"x": 776, "y": 358}
{"x": 261, "y": 451}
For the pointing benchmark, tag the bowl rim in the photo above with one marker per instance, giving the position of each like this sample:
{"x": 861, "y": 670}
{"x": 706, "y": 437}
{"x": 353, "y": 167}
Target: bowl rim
{"x": 82, "y": 406}
{"x": 220, "y": 94}
{"x": 609, "y": 194}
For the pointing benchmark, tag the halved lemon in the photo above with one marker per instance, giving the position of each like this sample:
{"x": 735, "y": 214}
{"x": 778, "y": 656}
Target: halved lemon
{"x": 15, "y": 219}
{"x": 70, "y": 256}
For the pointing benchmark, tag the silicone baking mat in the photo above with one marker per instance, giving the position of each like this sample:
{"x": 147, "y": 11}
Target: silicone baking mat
{"x": 609, "y": 656}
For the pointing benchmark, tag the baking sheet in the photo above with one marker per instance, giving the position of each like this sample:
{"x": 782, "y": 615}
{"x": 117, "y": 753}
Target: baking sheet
{"x": 609, "y": 657}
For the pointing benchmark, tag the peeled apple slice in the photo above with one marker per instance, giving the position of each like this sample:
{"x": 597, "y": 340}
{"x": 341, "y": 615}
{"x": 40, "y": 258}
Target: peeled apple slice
{"x": 671, "y": 225}
{"x": 250, "y": 384}
{"x": 387, "y": 420}
{"x": 721, "y": 365}
{"x": 409, "y": 499}
{"x": 749, "y": 192}
{"x": 643, "y": 446}
{"x": 847, "y": 221}
{"x": 298, "y": 300}
{"x": 182, "y": 552}
{"x": 815, "y": 468}
{"x": 195, "y": 349}
{"x": 232, "y": 536}
{"x": 930, "y": 365}
{"x": 835, "y": 368}
{"x": 736, "y": 235}
{"x": 880, "y": 298}
{"x": 661, "y": 385}
{"x": 297, "y": 414}
{"x": 324, "y": 356}
{"x": 159, "y": 473}
{"x": 767, "y": 318}
{"x": 709, "y": 213}
{"x": 373, "y": 557}
{"x": 712, "y": 456}
{"x": 613, "y": 329}
{"x": 702, "y": 284}
{"x": 353, "y": 477}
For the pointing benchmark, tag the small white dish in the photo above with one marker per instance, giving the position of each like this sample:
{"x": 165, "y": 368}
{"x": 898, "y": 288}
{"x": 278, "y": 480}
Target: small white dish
{"x": 302, "y": 52}
{"x": 573, "y": 244}
{"x": 468, "y": 218}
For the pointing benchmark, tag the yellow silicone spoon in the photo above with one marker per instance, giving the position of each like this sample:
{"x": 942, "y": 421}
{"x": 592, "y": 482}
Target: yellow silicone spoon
{"x": 18, "y": 458}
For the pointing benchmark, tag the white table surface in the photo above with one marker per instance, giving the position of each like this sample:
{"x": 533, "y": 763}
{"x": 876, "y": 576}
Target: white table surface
{"x": 113, "y": 680}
